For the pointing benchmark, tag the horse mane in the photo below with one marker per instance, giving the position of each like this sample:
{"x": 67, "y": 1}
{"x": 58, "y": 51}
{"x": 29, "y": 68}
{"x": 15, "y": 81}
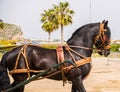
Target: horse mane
{"x": 80, "y": 30}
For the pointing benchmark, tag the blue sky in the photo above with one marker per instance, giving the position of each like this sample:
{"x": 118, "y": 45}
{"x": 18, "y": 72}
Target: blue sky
{"x": 26, "y": 14}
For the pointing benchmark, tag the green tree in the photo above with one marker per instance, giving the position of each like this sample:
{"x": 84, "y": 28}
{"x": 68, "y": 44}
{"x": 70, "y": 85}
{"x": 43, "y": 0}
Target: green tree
{"x": 1, "y": 24}
{"x": 49, "y": 22}
{"x": 63, "y": 16}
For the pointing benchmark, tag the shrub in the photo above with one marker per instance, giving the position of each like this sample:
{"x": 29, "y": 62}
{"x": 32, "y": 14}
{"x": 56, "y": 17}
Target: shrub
{"x": 49, "y": 46}
{"x": 115, "y": 47}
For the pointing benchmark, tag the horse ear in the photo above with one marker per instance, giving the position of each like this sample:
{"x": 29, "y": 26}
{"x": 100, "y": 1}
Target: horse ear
{"x": 103, "y": 21}
{"x": 105, "y": 24}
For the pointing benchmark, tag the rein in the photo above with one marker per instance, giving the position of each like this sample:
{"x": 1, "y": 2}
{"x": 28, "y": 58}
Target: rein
{"x": 86, "y": 48}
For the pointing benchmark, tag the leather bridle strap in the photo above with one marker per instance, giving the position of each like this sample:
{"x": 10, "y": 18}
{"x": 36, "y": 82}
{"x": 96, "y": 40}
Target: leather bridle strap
{"x": 101, "y": 36}
{"x": 81, "y": 47}
{"x": 86, "y": 48}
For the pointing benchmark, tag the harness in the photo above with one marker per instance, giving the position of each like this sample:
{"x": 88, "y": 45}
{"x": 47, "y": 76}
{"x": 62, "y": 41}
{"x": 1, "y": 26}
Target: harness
{"x": 22, "y": 52}
{"x": 60, "y": 57}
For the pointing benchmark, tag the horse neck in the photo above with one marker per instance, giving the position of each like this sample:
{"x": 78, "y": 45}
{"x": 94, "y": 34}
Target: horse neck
{"x": 84, "y": 39}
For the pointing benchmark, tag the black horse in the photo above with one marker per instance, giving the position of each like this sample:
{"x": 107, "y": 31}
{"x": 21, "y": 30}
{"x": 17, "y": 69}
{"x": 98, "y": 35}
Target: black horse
{"x": 82, "y": 42}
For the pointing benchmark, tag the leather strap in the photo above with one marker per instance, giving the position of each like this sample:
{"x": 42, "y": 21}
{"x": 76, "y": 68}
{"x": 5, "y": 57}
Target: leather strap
{"x": 60, "y": 57}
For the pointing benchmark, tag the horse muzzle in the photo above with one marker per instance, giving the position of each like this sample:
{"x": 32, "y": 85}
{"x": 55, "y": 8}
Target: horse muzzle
{"x": 105, "y": 51}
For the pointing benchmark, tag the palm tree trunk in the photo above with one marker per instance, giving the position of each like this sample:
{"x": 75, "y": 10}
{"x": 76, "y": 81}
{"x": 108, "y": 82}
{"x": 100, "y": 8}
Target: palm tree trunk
{"x": 62, "y": 36}
{"x": 49, "y": 35}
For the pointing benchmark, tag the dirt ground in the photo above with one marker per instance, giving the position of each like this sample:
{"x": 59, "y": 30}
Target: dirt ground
{"x": 104, "y": 77}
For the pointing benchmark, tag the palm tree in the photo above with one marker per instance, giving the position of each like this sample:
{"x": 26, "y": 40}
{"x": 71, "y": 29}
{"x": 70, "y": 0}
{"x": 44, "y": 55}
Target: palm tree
{"x": 1, "y": 24}
{"x": 49, "y": 22}
{"x": 63, "y": 16}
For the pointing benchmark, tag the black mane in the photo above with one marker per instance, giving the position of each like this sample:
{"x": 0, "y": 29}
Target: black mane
{"x": 81, "y": 30}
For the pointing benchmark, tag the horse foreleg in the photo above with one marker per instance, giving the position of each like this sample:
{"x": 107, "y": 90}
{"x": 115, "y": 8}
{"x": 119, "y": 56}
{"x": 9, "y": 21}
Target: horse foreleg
{"x": 18, "y": 78}
{"x": 77, "y": 83}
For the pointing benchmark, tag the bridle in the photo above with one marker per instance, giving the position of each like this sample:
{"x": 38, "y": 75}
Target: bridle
{"x": 102, "y": 37}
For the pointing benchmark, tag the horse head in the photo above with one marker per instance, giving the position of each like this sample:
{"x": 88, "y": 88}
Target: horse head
{"x": 102, "y": 40}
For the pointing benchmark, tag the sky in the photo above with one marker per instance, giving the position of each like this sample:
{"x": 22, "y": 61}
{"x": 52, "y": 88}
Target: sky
{"x": 26, "y": 14}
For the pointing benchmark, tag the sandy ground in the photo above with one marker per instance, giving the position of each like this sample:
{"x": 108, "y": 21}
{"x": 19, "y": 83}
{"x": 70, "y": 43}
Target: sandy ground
{"x": 104, "y": 77}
